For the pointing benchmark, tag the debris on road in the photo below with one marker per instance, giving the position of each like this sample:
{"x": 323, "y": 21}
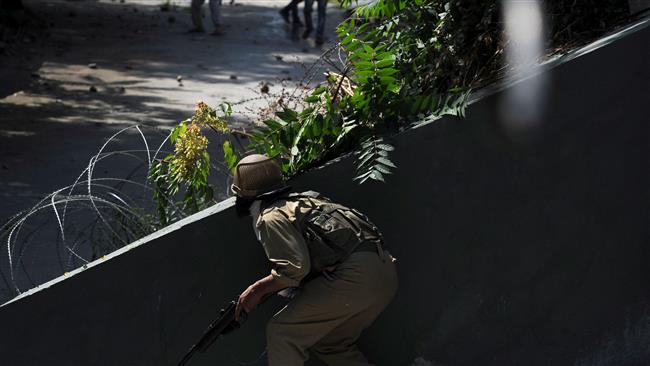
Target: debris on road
{"x": 265, "y": 87}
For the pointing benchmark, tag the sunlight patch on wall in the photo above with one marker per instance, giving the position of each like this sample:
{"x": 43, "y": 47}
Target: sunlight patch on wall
{"x": 521, "y": 107}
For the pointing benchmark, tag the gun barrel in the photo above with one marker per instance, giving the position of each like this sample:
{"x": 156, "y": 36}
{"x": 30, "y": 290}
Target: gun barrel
{"x": 225, "y": 323}
{"x": 187, "y": 356}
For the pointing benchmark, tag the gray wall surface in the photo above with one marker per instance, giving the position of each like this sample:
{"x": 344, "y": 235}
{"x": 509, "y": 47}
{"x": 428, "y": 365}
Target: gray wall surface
{"x": 509, "y": 253}
{"x": 638, "y": 5}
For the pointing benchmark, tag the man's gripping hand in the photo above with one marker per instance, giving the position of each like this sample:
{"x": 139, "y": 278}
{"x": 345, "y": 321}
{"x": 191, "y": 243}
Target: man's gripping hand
{"x": 248, "y": 300}
{"x": 256, "y": 293}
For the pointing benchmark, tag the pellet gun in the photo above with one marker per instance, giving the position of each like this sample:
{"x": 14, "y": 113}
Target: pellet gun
{"x": 224, "y": 324}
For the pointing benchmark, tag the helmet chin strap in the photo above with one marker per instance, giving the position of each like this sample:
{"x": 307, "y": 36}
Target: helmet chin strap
{"x": 255, "y": 208}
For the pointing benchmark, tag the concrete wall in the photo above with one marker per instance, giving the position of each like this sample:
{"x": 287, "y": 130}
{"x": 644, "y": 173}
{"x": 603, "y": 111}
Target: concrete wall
{"x": 638, "y": 5}
{"x": 509, "y": 253}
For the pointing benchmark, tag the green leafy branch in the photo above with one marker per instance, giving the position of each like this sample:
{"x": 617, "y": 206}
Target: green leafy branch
{"x": 372, "y": 160}
{"x": 185, "y": 172}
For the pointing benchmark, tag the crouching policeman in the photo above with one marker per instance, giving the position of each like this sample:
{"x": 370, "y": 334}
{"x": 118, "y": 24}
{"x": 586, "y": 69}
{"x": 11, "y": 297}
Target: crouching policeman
{"x": 333, "y": 254}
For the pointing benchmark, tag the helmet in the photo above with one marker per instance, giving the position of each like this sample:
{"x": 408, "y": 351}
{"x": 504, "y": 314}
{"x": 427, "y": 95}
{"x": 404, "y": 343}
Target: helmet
{"x": 257, "y": 176}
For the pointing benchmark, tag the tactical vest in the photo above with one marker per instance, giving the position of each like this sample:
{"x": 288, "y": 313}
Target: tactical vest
{"x": 332, "y": 231}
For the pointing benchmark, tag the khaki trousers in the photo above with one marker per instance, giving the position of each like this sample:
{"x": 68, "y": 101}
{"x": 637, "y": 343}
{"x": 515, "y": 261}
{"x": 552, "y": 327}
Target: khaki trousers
{"x": 329, "y": 313}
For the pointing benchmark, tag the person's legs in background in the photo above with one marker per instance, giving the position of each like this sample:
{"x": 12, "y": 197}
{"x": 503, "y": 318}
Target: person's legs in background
{"x": 294, "y": 13}
{"x": 215, "y": 15}
{"x": 291, "y": 9}
{"x": 309, "y": 24}
{"x": 320, "y": 27}
{"x": 197, "y": 19}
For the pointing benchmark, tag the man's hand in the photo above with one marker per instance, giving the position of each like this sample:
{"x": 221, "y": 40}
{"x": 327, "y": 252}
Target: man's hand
{"x": 254, "y": 294}
{"x": 248, "y": 300}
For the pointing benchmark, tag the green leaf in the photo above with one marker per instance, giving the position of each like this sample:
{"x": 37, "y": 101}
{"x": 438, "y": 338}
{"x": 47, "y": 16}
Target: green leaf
{"x": 177, "y": 132}
{"x": 363, "y": 64}
{"x": 229, "y": 155}
{"x": 365, "y": 161}
{"x": 312, "y": 99}
{"x": 365, "y": 73}
{"x": 226, "y": 108}
{"x": 387, "y": 72}
{"x": 347, "y": 39}
{"x": 363, "y": 55}
{"x": 306, "y": 112}
{"x": 362, "y": 176}
{"x": 386, "y": 56}
{"x": 385, "y": 63}
{"x": 387, "y": 80}
{"x": 377, "y": 176}
{"x": 315, "y": 128}
{"x": 273, "y": 124}
{"x": 287, "y": 115}
{"x": 385, "y": 147}
{"x": 385, "y": 161}
{"x": 381, "y": 169}
{"x": 319, "y": 90}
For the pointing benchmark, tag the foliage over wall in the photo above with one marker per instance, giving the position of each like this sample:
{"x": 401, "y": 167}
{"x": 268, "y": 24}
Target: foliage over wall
{"x": 406, "y": 61}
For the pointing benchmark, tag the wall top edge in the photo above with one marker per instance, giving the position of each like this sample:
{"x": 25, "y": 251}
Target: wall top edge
{"x": 218, "y": 207}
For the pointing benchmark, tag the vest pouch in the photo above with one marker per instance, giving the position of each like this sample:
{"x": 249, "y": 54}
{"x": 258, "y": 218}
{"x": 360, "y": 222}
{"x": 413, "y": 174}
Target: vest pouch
{"x": 329, "y": 239}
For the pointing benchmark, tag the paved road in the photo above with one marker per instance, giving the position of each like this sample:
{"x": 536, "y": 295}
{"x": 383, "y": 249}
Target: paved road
{"x": 51, "y": 124}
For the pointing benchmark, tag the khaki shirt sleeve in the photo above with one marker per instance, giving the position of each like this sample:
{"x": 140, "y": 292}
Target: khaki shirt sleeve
{"x": 285, "y": 247}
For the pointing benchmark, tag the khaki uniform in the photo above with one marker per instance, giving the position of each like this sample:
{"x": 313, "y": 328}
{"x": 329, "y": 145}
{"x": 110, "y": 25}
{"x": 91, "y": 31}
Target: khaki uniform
{"x": 329, "y": 312}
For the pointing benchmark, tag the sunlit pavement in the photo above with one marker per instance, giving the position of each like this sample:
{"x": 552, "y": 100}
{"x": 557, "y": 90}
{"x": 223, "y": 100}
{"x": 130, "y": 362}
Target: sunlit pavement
{"x": 106, "y": 65}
